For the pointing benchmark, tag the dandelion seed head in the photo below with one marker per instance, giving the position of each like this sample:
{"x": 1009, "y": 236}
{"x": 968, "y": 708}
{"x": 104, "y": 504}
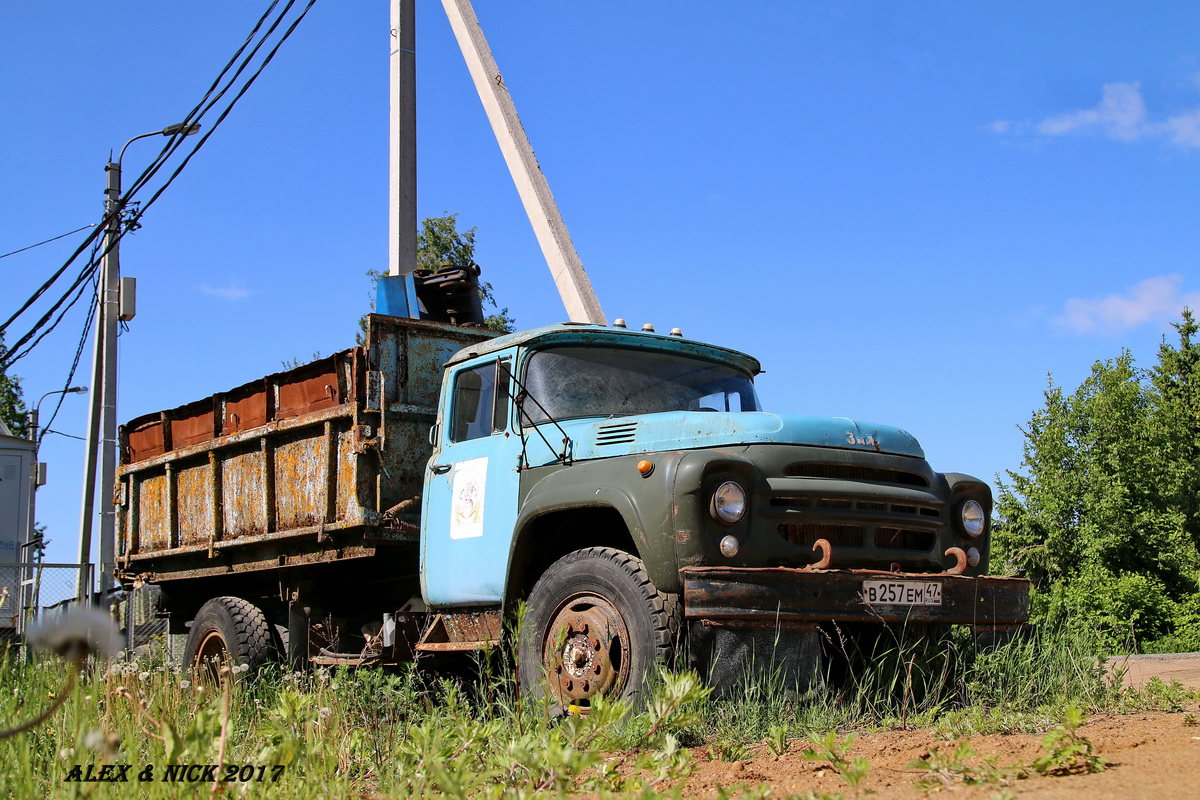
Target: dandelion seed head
{"x": 77, "y": 634}
{"x": 94, "y": 739}
{"x": 185, "y": 684}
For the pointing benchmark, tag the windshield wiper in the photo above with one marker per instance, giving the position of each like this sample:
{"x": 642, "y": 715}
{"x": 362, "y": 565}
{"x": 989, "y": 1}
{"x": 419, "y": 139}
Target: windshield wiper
{"x": 523, "y": 417}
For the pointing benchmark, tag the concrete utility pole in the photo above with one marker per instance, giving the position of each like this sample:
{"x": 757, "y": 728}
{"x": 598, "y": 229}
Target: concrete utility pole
{"x": 102, "y": 417}
{"x": 573, "y": 284}
{"x": 402, "y": 220}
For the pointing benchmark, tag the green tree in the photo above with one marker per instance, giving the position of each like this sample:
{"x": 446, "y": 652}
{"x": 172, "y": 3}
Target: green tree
{"x": 1100, "y": 518}
{"x": 12, "y": 403}
{"x": 440, "y": 244}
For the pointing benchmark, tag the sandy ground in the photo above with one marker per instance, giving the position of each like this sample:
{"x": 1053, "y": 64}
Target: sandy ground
{"x": 1182, "y": 667}
{"x": 1150, "y": 756}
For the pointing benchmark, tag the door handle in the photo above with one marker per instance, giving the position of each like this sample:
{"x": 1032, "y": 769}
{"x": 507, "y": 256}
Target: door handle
{"x": 440, "y": 469}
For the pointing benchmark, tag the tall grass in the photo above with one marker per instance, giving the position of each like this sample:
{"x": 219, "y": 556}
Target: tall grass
{"x": 405, "y": 733}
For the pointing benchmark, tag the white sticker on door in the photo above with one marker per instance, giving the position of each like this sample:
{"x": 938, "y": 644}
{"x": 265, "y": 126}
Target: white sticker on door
{"x": 467, "y": 493}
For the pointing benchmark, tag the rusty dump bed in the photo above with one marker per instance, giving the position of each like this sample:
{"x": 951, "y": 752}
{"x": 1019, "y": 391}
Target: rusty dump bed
{"x": 319, "y": 463}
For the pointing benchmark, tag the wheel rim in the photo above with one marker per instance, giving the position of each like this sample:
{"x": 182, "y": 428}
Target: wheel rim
{"x": 210, "y": 655}
{"x": 586, "y": 650}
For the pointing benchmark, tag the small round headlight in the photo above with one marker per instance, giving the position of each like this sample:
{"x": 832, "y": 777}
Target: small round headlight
{"x": 973, "y": 518}
{"x": 728, "y": 502}
{"x": 729, "y": 546}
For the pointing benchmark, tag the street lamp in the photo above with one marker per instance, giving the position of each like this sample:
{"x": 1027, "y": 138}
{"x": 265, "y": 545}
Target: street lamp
{"x": 35, "y": 415}
{"x": 102, "y": 417}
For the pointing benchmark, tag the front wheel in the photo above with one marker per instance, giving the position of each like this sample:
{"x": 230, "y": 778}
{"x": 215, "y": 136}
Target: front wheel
{"x": 595, "y": 625}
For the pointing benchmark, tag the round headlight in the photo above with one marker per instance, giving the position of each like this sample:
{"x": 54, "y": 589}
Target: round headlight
{"x": 728, "y": 502}
{"x": 973, "y": 518}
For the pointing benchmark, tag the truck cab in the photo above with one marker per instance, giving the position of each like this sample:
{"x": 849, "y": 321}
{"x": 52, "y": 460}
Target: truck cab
{"x": 624, "y": 482}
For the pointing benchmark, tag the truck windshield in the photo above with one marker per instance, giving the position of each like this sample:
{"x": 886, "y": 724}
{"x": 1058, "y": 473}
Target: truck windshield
{"x": 572, "y": 382}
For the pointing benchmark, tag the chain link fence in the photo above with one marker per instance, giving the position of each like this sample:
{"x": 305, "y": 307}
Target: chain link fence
{"x": 29, "y": 589}
{"x": 137, "y": 614}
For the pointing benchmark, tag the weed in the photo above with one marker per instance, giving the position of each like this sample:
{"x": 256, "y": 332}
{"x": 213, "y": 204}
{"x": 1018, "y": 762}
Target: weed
{"x": 1067, "y": 752}
{"x": 951, "y": 770}
{"x": 836, "y": 753}
{"x": 777, "y": 739}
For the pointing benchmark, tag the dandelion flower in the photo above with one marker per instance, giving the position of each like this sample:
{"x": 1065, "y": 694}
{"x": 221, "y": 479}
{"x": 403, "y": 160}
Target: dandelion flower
{"x": 77, "y": 634}
{"x": 143, "y": 676}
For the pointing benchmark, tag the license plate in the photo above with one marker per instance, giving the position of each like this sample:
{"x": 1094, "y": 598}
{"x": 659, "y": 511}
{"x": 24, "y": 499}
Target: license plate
{"x": 902, "y": 593}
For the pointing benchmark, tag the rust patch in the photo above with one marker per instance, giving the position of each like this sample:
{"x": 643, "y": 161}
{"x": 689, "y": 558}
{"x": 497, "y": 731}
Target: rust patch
{"x": 191, "y": 424}
{"x": 308, "y": 388}
{"x": 193, "y": 486}
{"x": 245, "y": 407}
{"x": 144, "y": 438}
{"x": 960, "y": 558}
{"x": 461, "y": 631}
{"x": 826, "y": 550}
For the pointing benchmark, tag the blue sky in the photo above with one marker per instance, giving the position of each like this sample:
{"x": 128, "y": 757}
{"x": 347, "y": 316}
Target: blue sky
{"x": 911, "y": 213}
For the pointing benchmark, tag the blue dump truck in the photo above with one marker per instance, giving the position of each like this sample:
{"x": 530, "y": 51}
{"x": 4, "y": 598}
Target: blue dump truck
{"x": 398, "y": 500}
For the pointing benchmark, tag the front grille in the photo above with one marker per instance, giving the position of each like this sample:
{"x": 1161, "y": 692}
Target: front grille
{"x": 855, "y": 472}
{"x": 902, "y": 539}
{"x": 859, "y": 505}
{"x": 806, "y": 534}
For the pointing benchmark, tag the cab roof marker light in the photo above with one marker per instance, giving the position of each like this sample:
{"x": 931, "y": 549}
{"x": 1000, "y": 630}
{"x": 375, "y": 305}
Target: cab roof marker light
{"x": 619, "y": 323}
{"x": 648, "y": 327}
{"x": 676, "y": 332}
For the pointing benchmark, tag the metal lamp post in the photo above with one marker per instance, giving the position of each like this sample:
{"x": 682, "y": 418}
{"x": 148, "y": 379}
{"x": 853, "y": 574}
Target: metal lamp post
{"x": 102, "y": 417}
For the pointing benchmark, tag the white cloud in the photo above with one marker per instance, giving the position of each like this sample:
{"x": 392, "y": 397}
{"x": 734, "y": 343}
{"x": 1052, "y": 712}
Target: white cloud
{"x": 233, "y": 293}
{"x": 1154, "y": 299}
{"x": 1120, "y": 115}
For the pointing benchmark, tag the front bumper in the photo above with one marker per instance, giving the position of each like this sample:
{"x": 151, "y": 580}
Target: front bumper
{"x": 757, "y": 596}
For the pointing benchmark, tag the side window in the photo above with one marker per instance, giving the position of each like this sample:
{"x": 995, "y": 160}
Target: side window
{"x": 477, "y": 408}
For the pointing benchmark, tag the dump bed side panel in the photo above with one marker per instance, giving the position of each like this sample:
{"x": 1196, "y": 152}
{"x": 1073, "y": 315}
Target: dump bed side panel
{"x": 296, "y": 467}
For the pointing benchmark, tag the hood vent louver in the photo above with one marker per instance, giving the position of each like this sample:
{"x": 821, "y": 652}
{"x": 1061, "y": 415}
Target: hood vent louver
{"x": 616, "y": 433}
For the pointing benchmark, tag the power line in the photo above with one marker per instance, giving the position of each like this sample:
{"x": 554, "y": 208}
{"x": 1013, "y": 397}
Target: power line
{"x": 206, "y": 104}
{"x": 48, "y": 241}
{"x": 83, "y": 338}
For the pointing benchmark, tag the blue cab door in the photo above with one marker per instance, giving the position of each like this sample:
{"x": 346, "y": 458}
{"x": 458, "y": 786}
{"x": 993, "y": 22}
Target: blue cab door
{"x": 469, "y": 506}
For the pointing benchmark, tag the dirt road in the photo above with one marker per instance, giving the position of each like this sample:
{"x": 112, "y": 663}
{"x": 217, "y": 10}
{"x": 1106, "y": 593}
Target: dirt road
{"x": 1182, "y": 667}
{"x": 1153, "y": 756}
{"x": 1150, "y": 756}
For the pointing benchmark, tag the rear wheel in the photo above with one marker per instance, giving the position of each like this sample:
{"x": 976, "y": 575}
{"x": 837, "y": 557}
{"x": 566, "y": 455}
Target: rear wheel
{"x": 596, "y": 625}
{"x": 228, "y": 629}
